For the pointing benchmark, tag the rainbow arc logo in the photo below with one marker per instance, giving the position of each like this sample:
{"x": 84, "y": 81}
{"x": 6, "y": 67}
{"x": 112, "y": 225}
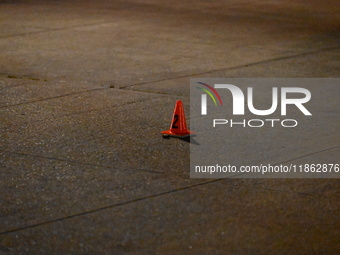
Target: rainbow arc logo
{"x": 209, "y": 92}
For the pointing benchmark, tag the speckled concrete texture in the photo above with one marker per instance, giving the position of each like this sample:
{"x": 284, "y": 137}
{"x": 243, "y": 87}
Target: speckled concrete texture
{"x": 87, "y": 87}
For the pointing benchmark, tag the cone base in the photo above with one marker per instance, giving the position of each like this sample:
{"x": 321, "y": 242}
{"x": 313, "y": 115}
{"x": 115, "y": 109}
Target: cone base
{"x": 168, "y": 133}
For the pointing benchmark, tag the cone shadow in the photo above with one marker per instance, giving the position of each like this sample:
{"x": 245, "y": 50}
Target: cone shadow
{"x": 188, "y": 139}
{"x": 191, "y": 139}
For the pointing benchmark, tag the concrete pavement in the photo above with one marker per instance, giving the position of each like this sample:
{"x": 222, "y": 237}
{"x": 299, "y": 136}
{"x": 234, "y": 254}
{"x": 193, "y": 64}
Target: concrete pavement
{"x": 86, "y": 87}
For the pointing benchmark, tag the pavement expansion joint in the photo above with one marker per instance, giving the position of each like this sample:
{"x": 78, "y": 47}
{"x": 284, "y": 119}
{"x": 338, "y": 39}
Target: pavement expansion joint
{"x": 58, "y": 29}
{"x": 309, "y": 154}
{"x": 51, "y": 98}
{"x": 236, "y": 67}
{"x": 153, "y": 92}
{"x": 80, "y": 163}
{"x": 11, "y": 76}
{"x": 110, "y": 206}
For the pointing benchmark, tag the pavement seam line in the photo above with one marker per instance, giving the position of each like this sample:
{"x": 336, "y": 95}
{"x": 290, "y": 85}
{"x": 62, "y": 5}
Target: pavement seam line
{"x": 183, "y": 76}
{"x": 86, "y": 91}
{"x": 303, "y": 156}
{"x": 236, "y": 67}
{"x": 310, "y": 154}
{"x": 86, "y": 111}
{"x": 152, "y": 92}
{"x": 108, "y": 207}
{"x": 140, "y": 199}
{"x": 152, "y": 171}
{"x": 78, "y": 163}
{"x": 50, "y": 98}
{"x": 58, "y": 29}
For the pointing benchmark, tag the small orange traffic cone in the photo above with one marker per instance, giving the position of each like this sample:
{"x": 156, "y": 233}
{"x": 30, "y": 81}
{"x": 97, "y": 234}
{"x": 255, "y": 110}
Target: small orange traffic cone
{"x": 178, "y": 127}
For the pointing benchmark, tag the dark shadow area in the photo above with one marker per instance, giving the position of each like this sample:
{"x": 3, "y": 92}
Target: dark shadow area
{"x": 188, "y": 139}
